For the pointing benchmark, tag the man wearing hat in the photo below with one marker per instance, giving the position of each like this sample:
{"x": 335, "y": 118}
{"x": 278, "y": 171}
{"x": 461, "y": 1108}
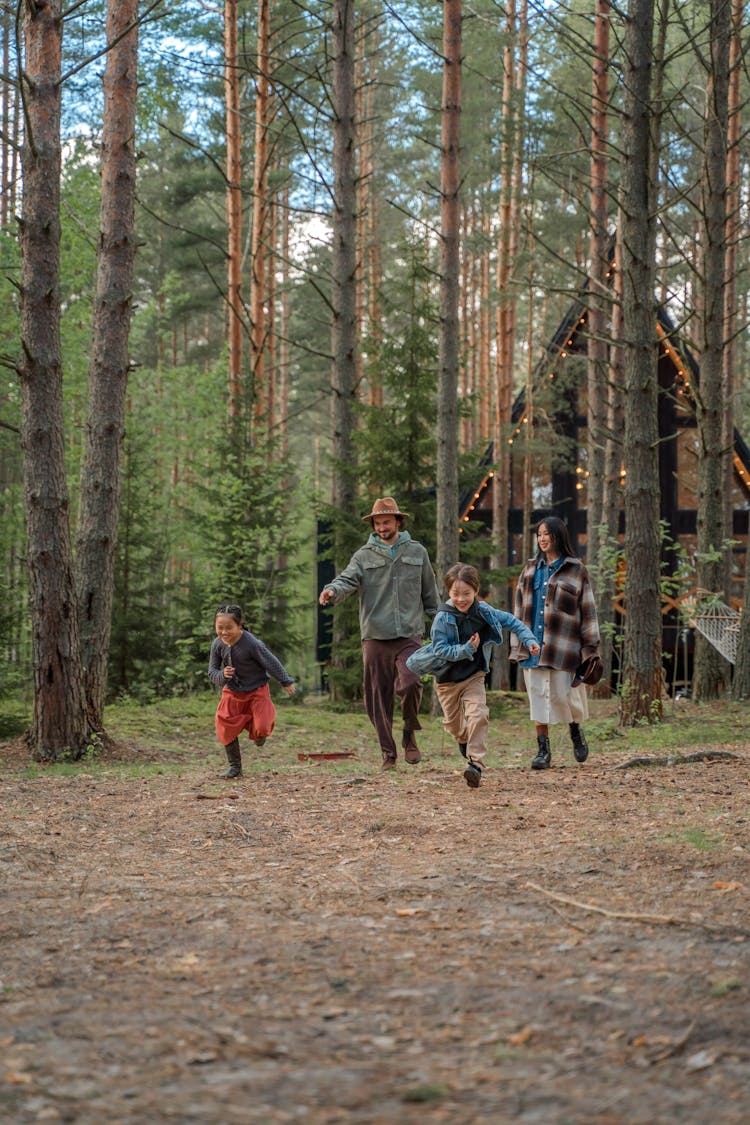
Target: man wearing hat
{"x": 393, "y": 576}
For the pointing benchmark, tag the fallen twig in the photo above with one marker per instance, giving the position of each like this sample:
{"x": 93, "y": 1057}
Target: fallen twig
{"x": 568, "y": 921}
{"x": 623, "y": 915}
{"x": 679, "y": 759}
{"x": 217, "y": 796}
{"x": 675, "y": 1047}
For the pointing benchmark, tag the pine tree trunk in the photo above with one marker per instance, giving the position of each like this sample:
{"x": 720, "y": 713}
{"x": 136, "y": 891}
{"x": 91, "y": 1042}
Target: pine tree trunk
{"x": 731, "y": 319}
{"x": 344, "y": 264}
{"x": 344, "y": 310}
{"x": 607, "y": 577}
{"x": 234, "y": 208}
{"x": 599, "y": 296}
{"x": 450, "y": 219}
{"x": 271, "y": 386}
{"x": 504, "y": 338}
{"x": 711, "y": 670}
{"x": 259, "y": 328}
{"x": 109, "y": 364}
{"x": 284, "y": 356}
{"x": 642, "y": 669}
{"x": 5, "y": 118}
{"x": 485, "y": 342}
{"x": 60, "y": 723}
{"x": 526, "y": 548}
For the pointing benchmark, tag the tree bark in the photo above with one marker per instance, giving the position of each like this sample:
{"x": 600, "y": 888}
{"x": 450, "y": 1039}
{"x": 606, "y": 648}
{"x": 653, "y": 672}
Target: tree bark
{"x": 109, "y": 364}
{"x": 60, "y": 723}
{"x": 5, "y": 118}
{"x": 607, "y": 576}
{"x": 711, "y": 670}
{"x": 731, "y": 318}
{"x": 504, "y": 334}
{"x": 642, "y": 669}
{"x": 344, "y": 263}
{"x": 741, "y": 679}
{"x": 284, "y": 352}
{"x": 450, "y": 220}
{"x": 599, "y": 294}
{"x": 485, "y": 334}
{"x": 261, "y": 234}
{"x": 234, "y": 208}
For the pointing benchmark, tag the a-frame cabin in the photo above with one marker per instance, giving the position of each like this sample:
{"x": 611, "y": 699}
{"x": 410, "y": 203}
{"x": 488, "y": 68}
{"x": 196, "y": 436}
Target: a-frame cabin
{"x": 558, "y": 473}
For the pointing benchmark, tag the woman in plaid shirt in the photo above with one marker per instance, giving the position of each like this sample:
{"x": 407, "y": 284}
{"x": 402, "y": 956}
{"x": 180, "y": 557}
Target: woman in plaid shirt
{"x": 555, "y": 600}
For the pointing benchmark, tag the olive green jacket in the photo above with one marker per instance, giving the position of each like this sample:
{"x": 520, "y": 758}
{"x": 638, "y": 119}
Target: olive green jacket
{"x": 396, "y": 588}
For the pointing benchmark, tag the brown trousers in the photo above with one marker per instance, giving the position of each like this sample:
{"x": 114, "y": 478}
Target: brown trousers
{"x": 386, "y": 675}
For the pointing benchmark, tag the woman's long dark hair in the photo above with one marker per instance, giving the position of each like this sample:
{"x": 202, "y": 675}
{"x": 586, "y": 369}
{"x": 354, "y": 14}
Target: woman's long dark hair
{"x": 558, "y": 532}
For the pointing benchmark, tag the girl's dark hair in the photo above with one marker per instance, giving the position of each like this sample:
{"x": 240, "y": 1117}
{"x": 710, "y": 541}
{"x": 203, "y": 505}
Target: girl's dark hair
{"x": 462, "y": 572}
{"x": 558, "y": 532}
{"x": 231, "y": 611}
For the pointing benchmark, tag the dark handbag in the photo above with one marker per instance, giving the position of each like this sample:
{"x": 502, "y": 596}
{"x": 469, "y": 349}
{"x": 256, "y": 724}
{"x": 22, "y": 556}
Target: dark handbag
{"x": 591, "y": 670}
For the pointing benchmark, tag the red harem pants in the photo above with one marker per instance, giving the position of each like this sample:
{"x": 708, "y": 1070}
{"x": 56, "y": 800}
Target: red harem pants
{"x": 386, "y": 674}
{"x": 252, "y": 711}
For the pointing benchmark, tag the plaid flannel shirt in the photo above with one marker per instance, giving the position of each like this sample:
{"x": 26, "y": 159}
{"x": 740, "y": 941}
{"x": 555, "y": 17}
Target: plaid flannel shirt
{"x": 571, "y": 628}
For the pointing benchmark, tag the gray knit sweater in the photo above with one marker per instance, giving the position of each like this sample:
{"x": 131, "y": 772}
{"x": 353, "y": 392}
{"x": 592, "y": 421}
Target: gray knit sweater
{"x": 253, "y": 663}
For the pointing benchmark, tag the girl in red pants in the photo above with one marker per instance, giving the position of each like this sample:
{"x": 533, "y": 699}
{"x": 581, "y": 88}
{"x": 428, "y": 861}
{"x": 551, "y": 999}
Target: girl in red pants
{"x": 240, "y": 665}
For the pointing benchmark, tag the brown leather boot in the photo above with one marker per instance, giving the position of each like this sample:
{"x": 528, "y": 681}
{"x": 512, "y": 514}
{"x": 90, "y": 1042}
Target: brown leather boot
{"x": 411, "y": 750}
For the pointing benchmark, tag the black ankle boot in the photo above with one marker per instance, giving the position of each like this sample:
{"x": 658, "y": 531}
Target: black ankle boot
{"x": 543, "y": 758}
{"x": 473, "y": 774}
{"x": 580, "y": 745}
{"x": 234, "y": 758}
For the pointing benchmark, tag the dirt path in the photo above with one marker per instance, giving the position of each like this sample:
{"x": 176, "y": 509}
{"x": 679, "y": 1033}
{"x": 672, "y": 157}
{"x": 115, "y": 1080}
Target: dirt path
{"x": 379, "y": 948}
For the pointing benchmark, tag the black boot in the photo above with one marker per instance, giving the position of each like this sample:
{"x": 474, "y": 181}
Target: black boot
{"x": 473, "y": 774}
{"x": 580, "y": 745}
{"x": 543, "y": 758}
{"x": 234, "y": 758}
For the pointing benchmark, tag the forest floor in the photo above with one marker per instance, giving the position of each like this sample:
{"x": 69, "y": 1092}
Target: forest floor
{"x": 321, "y": 942}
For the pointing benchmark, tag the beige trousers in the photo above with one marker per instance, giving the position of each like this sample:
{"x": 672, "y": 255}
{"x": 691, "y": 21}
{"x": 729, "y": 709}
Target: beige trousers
{"x": 466, "y": 715}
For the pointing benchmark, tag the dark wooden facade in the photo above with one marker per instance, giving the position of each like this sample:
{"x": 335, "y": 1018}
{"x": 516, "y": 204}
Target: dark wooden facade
{"x": 558, "y": 454}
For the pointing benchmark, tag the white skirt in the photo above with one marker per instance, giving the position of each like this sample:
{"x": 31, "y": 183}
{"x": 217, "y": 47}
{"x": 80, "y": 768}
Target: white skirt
{"x": 552, "y": 697}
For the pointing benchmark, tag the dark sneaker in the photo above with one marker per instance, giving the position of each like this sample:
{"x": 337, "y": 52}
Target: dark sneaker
{"x": 462, "y": 747}
{"x": 473, "y": 775}
{"x": 233, "y": 771}
{"x": 260, "y": 741}
{"x": 389, "y": 761}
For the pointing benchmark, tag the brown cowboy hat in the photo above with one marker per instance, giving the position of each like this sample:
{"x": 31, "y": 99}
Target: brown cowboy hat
{"x": 385, "y": 506}
{"x": 591, "y": 670}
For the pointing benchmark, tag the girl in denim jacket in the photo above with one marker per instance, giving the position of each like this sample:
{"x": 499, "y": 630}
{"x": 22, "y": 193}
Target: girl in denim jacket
{"x": 462, "y": 635}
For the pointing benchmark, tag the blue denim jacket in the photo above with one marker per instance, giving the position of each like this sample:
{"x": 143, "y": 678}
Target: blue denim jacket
{"x": 444, "y": 646}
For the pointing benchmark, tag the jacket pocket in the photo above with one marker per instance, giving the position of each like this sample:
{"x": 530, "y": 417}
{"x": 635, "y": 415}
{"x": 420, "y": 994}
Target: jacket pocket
{"x": 566, "y": 598}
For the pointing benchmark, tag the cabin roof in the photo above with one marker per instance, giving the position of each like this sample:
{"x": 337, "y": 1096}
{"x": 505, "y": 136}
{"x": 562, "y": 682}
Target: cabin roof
{"x": 568, "y": 339}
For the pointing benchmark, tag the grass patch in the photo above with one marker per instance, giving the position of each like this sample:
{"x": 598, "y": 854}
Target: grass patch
{"x": 176, "y": 730}
{"x": 120, "y": 771}
{"x": 429, "y": 1092}
{"x": 14, "y": 719}
{"x": 721, "y": 988}
{"x": 701, "y": 840}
